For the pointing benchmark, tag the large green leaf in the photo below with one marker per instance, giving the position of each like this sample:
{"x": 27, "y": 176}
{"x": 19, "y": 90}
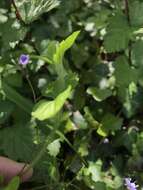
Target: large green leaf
{"x": 63, "y": 47}
{"x": 18, "y": 142}
{"x": 136, "y": 16}
{"x": 137, "y": 53}
{"x": 47, "y": 109}
{"x": 124, "y": 74}
{"x": 6, "y": 108}
{"x": 118, "y": 34}
{"x": 15, "y": 97}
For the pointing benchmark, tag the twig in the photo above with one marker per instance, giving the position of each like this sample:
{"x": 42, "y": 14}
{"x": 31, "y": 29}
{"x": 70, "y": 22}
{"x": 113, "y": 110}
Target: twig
{"x": 129, "y": 22}
{"x": 32, "y": 89}
{"x": 127, "y": 11}
{"x": 34, "y": 47}
{"x": 18, "y": 15}
{"x": 29, "y": 83}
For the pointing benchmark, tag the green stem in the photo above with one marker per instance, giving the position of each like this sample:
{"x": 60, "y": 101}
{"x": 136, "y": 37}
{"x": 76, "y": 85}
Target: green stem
{"x": 40, "y": 153}
{"x": 32, "y": 89}
{"x": 43, "y": 58}
{"x": 61, "y": 135}
{"x": 18, "y": 15}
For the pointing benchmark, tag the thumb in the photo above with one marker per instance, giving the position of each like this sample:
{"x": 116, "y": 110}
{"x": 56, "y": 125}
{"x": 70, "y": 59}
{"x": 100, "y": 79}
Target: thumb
{"x": 10, "y": 168}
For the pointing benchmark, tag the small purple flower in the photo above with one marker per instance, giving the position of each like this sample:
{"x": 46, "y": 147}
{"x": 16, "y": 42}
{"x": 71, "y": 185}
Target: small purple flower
{"x": 130, "y": 185}
{"x": 24, "y": 59}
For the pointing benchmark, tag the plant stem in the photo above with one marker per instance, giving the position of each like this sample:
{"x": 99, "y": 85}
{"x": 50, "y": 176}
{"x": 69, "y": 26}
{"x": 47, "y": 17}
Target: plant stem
{"x": 43, "y": 58}
{"x": 129, "y": 22}
{"x": 85, "y": 163}
{"x": 18, "y": 15}
{"x": 127, "y": 11}
{"x": 39, "y": 154}
{"x": 26, "y": 76}
{"x": 32, "y": 89}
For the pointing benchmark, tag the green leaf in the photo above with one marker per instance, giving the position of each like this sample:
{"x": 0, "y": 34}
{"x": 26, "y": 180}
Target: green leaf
{"x": 135, "y": 10}
{"x": 6, "y": 109}
{"x": 131, "y": 99}
{"x": 13, "y": 184}
{"x": 118, "y": 34}
{"x": 109, "y": 123}
{"x": 18, "y": 142}
{"x": 47, "y": 109}
{"x": 79, "y": 120}
{"x": 63, "y": 47}
{"x": 55, "y": 53}
{"x": 54, "y": 148}
{"x": 122, "y": 70}
{"x": 12, "y": 32}
{"x": 90, "y": 119}
{"x": 137, "y": 55}
{"x": 79, "y": 97}
{"x": 31, "y": 10}
{"x": 99, "y": 94}
{"x": 14, "y": 79}
{"x": 3, "y": 16}
{"x": 54, "y": 88}
{"x": 94, "y": 170}
{"x": 15, "y": 97}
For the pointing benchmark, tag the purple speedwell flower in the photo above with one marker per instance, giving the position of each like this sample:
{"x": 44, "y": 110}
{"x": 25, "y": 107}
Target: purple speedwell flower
{"x": 24, "y": 59}
{"x": 130, "y": 185}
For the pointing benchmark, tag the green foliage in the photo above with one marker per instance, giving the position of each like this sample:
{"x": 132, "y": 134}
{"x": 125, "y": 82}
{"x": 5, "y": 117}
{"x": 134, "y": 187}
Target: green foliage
{"x": 74, "y": 112}
{"x": 31, "y": 10}
{"x": 109, "y": 123}
{"x": 136, "y": 16}
{"x": 14, "y": 184}
{"x": 54, "y": 148}
{"x": 122, "y": 68}
{"x": 118, "y": 33}
{"x": 63, "y": 47}
{"x": 99, "y": 94}
{"x": 20, "y": 146}
{"x": 15, "y": 97}
{"x": 47, "y": 109}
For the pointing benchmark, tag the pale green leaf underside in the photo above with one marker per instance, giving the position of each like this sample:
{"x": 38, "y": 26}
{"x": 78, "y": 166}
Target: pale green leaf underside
{"x": 54, "y": 148}
{"x": 30, "y": 10}
{"x": 47, "y": 109}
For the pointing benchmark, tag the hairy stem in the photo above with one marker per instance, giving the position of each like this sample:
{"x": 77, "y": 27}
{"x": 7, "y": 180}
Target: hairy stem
{"x": 18, "y": 15}
{"x": 127, "y": 11}
{"x": 32, "y": 89}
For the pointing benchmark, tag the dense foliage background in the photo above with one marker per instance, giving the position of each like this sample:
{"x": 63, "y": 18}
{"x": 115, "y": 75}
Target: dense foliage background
{"x": 76, "y": 118}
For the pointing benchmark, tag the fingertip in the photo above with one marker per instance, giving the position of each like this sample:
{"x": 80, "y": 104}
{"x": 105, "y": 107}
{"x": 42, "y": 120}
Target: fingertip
{"x": 10, "y": 168}
{"x": 26, "y": 173}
